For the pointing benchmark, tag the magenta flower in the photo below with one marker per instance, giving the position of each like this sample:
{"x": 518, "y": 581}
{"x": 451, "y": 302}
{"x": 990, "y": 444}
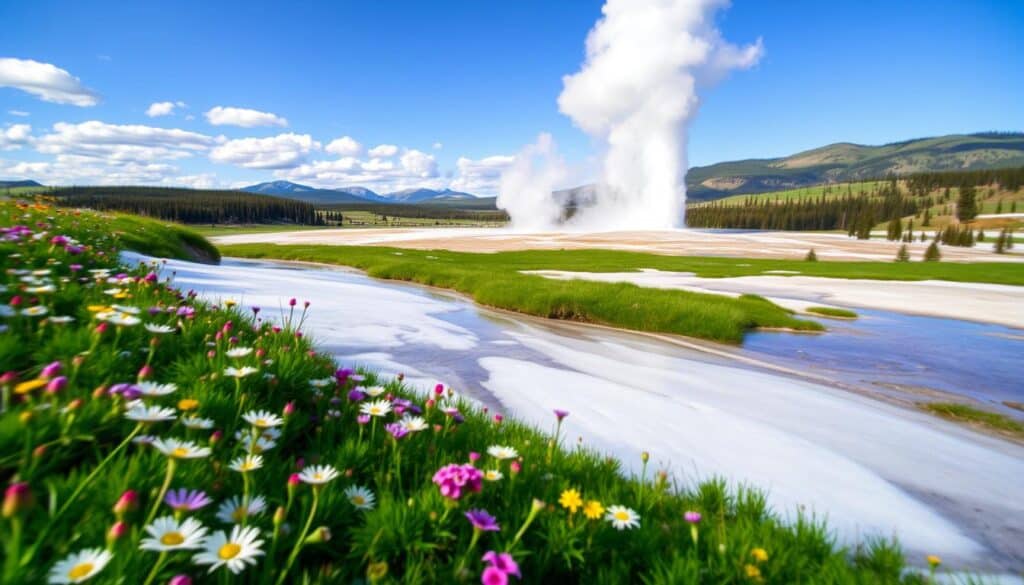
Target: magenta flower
{"x": 483, "y": 521}
{"x": 56, "y": 385}
{"x": 692, "y": 517}
{"x": 493, "y": 576}
{"x": 454, "y": 478}
{"x": 51, "y": 370}
{"x": 397, "y": 430}
{"x": 502, "y": 562}
{"x": 561, "y": 414}
{"x": 183, "y": 500}
{"x": 363, "y": 419}
{"x": 355, "y": 395}
{"x": 180, "y": 580}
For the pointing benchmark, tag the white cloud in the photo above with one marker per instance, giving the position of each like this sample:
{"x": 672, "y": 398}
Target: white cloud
{"x": 275, "y": 152}
{"x": 15, "y": 136}
{"x": 200, "y": 181}
{"x": 19, "y": 113}
{"x": 157, "y": 109}
{"x": 383, "y": 151}
{"x": 120, "y": 143}
{"x": 246, "y": 118}
{"x": 344, "y": 146}
{"x": 81, "y": 171}
{"x": 412, "y": 169}
{"x": 45, "y": 81}
{"x": 483, "y": 176}
{"x": 437, "y": 146}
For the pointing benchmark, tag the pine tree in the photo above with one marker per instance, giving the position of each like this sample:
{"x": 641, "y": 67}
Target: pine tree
{"x": 967, "y": 204}
{"x": 999, "y": 207}
{"x": 1000, "y": 247}
{"x": 932, "y": 254}
{"x": 811, "y": 256}
{"x": 1009, "y": 239}
{"x": 981, "y": 236}
{"x": 927, "y": 217}
{"x": 1013, "y": 207}
{"x": 903, "y": 255}
{"x": 910, "y": 230}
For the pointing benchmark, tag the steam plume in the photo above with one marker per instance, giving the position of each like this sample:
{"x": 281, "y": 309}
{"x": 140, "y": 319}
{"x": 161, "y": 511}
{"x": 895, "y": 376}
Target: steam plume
{"x": 634, "y": 95}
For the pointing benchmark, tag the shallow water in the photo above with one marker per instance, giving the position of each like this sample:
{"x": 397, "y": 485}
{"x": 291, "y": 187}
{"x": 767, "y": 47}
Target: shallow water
{"x": 871, "y": 468}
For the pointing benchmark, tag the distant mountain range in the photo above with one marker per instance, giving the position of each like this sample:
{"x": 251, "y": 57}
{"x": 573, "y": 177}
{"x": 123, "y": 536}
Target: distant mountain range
{"x": 845, "y": 161}
{"x": 356, "y": 194}
{"x": 15, "y": 184}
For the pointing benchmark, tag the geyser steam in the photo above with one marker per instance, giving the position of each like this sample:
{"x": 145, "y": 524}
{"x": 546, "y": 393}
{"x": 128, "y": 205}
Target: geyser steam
{"x": 634, "y": 95}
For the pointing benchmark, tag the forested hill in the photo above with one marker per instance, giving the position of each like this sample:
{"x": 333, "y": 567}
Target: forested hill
{"x": 851, "y": 162}
{"x": 191, "y": 205}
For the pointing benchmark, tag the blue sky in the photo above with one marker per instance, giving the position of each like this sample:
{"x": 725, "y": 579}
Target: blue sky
{"x": 457, "y": 88}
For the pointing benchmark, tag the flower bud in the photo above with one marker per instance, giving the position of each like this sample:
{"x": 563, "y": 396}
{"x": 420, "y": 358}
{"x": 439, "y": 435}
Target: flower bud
{"x": 279, "y": 516}
{"x": 515, "y": 467}
{"x": 473, "y": 456}
{"x": 117, "y": 531}
{"x": 50, "y": 370}
{"x": 25, "y": 417}
{"x": 78, "y": 360}
{"x": 8, "y": 378}
{"x": 17, "y": 498}
{"x": 128, "y": 501}
{"x": 215, "y": 437}
{"x": 180, "y": 580}
{"x": 645, "y": 456}
{"x": 289, "y": 408}
{"x": 39, "y": 451}
{"x": 56, "y": 384}
{"x": 319, "y": 535}
{"x": 102, "y": 327}
{"x": 293, "y": 481}
{"x": 99, "y": 392}
{"x": 145, "y": 372}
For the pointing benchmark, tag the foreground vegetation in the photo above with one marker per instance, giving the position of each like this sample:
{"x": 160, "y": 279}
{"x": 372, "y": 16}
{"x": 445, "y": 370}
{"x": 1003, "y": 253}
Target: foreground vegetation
{"x": 149, "y": 437}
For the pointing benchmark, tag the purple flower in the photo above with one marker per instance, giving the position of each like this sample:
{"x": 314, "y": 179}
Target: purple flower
{"x": 126, "y": 391}
{"x": 503, "y": 562}
{"x": 397, "y": 430}
{"x": 483, "y": 521}
{"x": 59, "y": 240}
{"x": 355, "y": 395}
{"x": 74, "y": 250}
{"x": 51, "y": 370}
{"x": 363, "y": 419}
{"x": 343, "y": 374}
{"x": 454, "y": 478}
{"x": 57, "y": 384}
{"x": 692, "y": 517}
{"x": 183, "y": 500}
{"x": 561, "y": 414}
{"x": 180, "y": 580}
{"x": 150, "y": 277}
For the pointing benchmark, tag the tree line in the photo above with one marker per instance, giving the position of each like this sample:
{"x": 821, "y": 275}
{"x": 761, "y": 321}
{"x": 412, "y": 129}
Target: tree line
{"x": 191, "y": 205}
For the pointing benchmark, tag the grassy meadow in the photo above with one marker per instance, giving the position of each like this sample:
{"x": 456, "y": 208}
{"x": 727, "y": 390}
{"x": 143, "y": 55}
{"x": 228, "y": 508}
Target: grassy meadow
{"x": 148, "y": 437}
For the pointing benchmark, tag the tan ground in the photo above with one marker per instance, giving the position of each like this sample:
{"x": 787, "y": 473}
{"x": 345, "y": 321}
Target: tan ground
{"x": 828, "y": 246}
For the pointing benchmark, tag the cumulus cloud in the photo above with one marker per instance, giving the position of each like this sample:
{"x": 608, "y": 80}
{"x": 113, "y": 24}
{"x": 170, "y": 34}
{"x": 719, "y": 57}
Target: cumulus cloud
{"x": 19, "y": 113}
{"x": 45, "y": 81}
{"x": 383, "y": 151}
{"x": 246, "y": 118}
{"x": 120, "y": 143}
{"x": 483, "y": 176}
{"x": 15, "y": 136}
{"x": 344, "y": 146}
{"x": 71, "y": 170}
{"x": 381, "y": 173}
{"x": 157, "y": 109}
{"x": 275, "y": 152}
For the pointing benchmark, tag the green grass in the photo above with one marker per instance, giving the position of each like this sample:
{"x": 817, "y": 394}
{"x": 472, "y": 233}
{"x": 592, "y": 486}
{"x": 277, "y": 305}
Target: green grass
{"x": 163, "y": 239}
{"x": 69, "y": 450}
{"x": 830, "y": 191}
{"x": 963, "y": 413}
{"x": 231, "y": 230}
{"x": 495, "y": 280}
{"x": 832, "y": 312}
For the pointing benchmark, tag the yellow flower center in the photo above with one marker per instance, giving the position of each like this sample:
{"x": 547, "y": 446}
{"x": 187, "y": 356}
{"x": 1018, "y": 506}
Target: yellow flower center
{"x": 622, "y": 516}
{"x": 172, "y": 539}
{"x": 358, "y": 500}
{"x": 188, "y": 404}
{"x": 318, "y": 476}
{"x": 229, "y": 551}
{"x": 179, "y": 452}
{"x": 239, "y": 514}
{"x": 80, "y": 570}
{"x": 261, "y": 422}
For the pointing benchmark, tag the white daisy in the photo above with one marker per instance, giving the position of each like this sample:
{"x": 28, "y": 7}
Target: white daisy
{"x": 502, "y": 452}
{"x": 235, "y": 551}
{"x": 155, "y": 388}
{"x": 179, "y": 449}
{"x": 318, "y": 474}
{"x": 7, "y": 311}
{"x": 375, "y": 391}
{"x": 159, "y": 329}
{"x": 80, "y": 566}
{"x": 167, "y": 534}
{"x": 360, "y": 497}
{"x": 239, "y": 372}
{"x": 321, "y": 382}
{"x": 61, "y": 319}
{"x": 138, "y": 411}
{"x": 197, "y": 423}
{"x": 126, "y": 309}
{"x": 263, "y": 419}
{"x": 144, "y": 440}
{"x": 123, "y": 320}
{"x": 238, "y": 352}
{"x": 36, "y": 311}
{"x": 493, "y": 475}
{"x": 113, "y": 291}
{"x": 41, "y": 272}
{"x": 413, "y": 423}
{"x": 260, "y": 446}
{"x": 233, "y": 510}
{"x": 622, "y": 517}
{"x": 376, "y": 408}
{"x": 41, "y": 290}
{"x": 247, "y": 463}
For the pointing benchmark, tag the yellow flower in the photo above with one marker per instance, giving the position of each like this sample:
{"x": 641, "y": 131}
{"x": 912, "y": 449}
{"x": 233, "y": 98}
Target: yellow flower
{"x": 98, "y": 308}
{"x": 753, "y": 572}
{"x": 760, "y": 555}
{"x": 230, "y": 303}
{"x": 30, "y": 385}
{"x": 934, "y": 561}
{"x": 571, "y": 500}
{"x": 188, "y": 404}
{"x": 593, "y": 510}
{"x": 376, "y": 571}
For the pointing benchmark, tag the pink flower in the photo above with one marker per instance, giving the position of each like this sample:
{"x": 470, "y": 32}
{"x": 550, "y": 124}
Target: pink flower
{"x": 473, "y": 456}
{"x": 17, "y": 497}
{"x": 129, "y": 500}
{"x": 180, "y": 580}
{"x": 493, "y": 576}
{"x": 51, "y": 370}
{"x": 454, "y": 478}
{"x": 502, "y": 562}
{"x": 56, "y": 385}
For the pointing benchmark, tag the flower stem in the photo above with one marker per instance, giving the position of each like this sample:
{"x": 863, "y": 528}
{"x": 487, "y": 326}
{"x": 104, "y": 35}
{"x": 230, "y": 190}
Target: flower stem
{"x": 163, "y": 490}
{"x": 302, "y": 537}
{"x": 156, "y": 568}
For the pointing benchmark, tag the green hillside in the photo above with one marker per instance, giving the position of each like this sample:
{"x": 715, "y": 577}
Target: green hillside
{"x": 854, "y": 162}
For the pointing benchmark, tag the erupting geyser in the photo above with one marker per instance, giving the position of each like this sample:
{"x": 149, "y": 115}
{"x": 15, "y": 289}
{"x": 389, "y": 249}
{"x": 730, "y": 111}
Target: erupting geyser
{"x": 634, "y": 95}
